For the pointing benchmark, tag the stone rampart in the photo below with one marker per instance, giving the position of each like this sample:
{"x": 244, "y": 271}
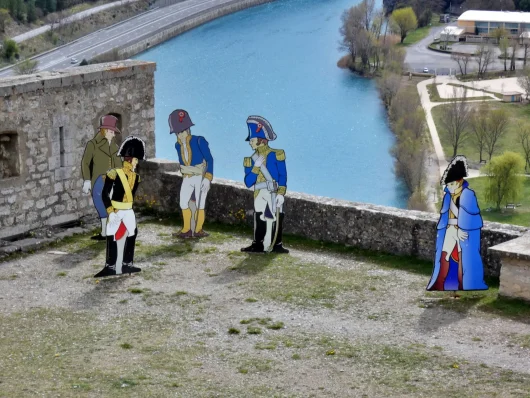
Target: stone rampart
{"x": 378, "y": 228}
{"x": 46, "y": 120}
{"x": 163, "y": 34}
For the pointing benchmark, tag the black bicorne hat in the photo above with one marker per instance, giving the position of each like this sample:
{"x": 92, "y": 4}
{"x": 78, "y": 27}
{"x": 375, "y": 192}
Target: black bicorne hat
{"x": 133, "y": 147}
{"x": 456, "y": 170}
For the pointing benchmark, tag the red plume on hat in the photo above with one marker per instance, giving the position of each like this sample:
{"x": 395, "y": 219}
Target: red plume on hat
{"x": 179, "y": 120}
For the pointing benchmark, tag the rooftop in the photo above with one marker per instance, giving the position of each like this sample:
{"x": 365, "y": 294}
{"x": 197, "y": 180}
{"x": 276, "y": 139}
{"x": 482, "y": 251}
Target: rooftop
{"x": 495, "y": 16}
{"x": 452, "y": 30}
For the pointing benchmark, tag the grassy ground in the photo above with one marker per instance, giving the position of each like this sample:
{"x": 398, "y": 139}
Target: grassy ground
{"x": 519, "y": 113}
{"x": 421, "y": 33}
{"x": 203, "y": 319}
{"x": 487, "y": 75}
{"x": 75, "y": 30}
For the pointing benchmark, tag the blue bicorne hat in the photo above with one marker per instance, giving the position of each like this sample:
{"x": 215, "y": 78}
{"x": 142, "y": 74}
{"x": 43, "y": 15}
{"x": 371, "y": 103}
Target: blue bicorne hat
{"x": 259, "y": 127}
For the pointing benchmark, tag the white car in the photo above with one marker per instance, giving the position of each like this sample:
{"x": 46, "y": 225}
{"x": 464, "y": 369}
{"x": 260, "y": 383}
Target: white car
{"x": 425, "y": 70}
{"x": 73, "y": 61}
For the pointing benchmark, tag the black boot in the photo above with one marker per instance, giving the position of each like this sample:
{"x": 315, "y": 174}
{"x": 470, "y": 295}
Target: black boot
{"x": 128, "y": 255}
{"x": 260, "y": 229}
{"x": 278, "y": 246}
{"x": 112, "y": 256}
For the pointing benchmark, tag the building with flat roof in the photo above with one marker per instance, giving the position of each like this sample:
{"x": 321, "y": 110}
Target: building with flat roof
{"x": 451, "y": 33}
{"x": 483, "y": 23}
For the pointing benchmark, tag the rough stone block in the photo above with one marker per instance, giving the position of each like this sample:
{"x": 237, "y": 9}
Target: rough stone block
{"x": 12, "y": 199}
{"x": 42, "y": 167}
{"x": 46, "y": 213}
{"x": 41, "y": 203}
{"x": 51, "y": 200}
{"x": 28, "y": 204}
{"x": 53, "y": 82}
{"x": 58, "y": 187}
{"x": 9, "y": 249}
{"x": 5, "y": 210}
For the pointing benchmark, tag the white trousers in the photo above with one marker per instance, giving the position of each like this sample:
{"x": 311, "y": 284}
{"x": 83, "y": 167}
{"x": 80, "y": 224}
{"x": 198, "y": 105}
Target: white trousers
{"x": 189, "y": 185}
{"x": 129, "y": 220}
{"x": 450, "y": 240}
{"x": 261, "y": 201}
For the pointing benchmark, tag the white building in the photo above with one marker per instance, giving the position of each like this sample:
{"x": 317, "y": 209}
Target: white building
{"x": 451, "y": 33}
{"x": 483, "y": 23}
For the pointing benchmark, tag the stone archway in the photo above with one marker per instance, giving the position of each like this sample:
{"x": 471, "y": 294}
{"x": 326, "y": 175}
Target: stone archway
{"x": 9, "y": 155}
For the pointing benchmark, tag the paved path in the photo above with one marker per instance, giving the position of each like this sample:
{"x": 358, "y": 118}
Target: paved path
{"x": 122, "y": 34}
{"x": 428, "y": 105}
{"x": 70, "y": 19}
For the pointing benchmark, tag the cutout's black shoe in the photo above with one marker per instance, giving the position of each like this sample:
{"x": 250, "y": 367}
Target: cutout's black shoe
{"x": 129, "y": 269}
{"x": 254, "y": 248}
{"x": 98, "y": 237}
{"x": 107, "y": 271}
{"x": 279, "y": 249}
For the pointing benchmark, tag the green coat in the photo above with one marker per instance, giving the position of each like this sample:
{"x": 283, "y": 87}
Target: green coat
{"x": 101, "y": 155}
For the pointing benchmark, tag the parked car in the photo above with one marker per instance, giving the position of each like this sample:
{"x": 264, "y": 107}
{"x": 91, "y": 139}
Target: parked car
{"x": 73, "y": 61}
{"x": 425, "y": 70}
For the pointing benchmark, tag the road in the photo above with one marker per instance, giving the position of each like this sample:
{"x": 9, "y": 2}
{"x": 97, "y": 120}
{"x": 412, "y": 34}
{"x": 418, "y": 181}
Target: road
{"x": 120, "y": 35}
{"x": 70, "y": 19}
{"x": 419, "y": 56}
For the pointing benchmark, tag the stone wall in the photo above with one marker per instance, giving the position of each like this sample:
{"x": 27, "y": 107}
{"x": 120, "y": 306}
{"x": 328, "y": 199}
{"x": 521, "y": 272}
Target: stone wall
{"x": 142, "y": 43}
{"x": 377, "y": 228}
{"x": 49, "y": 117}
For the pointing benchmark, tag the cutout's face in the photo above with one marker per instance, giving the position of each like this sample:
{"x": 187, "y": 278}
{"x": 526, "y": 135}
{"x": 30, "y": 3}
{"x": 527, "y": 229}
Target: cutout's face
{"x": 109, "y": 134}
{"x": 453, "y": 185}
{"x": 134, "y": 162}
{"x": 253, "y": 143}
{"x": 183, "y": 134}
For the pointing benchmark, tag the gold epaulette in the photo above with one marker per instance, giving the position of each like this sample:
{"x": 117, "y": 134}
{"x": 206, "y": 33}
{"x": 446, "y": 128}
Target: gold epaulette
{"x": 280, "y": 154}
{"x": 112, "y": 174}
{"x": 247, "y": 162}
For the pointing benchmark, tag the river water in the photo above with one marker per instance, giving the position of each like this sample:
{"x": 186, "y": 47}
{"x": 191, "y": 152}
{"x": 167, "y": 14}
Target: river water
{"x": 278, "y": 61}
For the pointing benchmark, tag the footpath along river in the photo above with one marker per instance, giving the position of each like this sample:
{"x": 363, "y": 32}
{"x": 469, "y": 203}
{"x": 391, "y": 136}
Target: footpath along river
{"x": 279, "y": 60}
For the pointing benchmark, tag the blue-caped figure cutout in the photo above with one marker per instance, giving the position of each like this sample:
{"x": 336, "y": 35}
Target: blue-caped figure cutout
{"x": 457, "y": 263}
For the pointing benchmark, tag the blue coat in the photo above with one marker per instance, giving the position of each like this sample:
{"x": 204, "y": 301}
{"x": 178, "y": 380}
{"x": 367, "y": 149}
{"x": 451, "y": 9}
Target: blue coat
{"x": 275, "y": 163}
{"x": 470, "y": 221}
{"x": 198, "y": 151}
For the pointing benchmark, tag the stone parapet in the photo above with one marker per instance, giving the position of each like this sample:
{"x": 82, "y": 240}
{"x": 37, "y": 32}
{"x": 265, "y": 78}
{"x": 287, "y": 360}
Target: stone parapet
{"x": 515, "y": 271}
{"x": 377, "y": 228}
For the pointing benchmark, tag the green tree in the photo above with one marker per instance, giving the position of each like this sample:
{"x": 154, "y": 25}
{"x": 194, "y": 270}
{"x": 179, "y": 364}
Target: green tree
{"x": 10, "y": 49}
{"x": 26, "y": 67}
{"x": 4, "y": 19}
{"x": 405, "y": 20}
{"x": 524, "y": 5}
{"x": 32, "y": 11}
{"x": 505, "y": 179}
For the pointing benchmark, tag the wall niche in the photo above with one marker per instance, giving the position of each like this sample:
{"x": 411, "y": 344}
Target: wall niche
{"x": 9, "y": 155}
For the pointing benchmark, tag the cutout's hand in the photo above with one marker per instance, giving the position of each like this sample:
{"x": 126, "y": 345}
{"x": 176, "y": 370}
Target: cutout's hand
{"x": 205, "y": 185}
{"x": 279, "y": 200}
{"x": 178, "y": 167}
{"x": 462, "y": 235}
{"x": 259, "y": 161}
{"x": 86, "y": 187}
{"x": 114, "y": 220}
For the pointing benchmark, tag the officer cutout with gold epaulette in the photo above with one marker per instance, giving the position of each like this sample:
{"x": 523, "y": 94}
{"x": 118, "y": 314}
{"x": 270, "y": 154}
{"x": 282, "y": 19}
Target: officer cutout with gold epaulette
{"x": 266, "y": 174}
{"x": 118, "y": 195}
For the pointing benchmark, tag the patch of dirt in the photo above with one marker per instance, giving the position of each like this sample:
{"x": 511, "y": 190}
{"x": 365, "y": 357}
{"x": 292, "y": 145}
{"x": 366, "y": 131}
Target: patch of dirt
{"x": 203, "y": 319}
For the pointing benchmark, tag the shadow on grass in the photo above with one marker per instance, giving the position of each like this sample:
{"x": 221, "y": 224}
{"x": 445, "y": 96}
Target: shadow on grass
{"x": 249, "y": 264}
{"x": 487, "y": 301}
{"x": 98, "y": 296}
{"x": 83, "y": 249}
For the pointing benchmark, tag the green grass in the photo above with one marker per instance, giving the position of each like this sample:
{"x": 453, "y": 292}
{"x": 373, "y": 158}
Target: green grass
{"x": 517, "y": 113}
{"x": 434, "y": 94}
{"x": 421, "y": 33}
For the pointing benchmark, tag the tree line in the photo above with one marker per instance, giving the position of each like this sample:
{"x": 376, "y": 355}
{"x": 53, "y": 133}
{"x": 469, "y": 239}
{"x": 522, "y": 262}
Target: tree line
{"x": 31, "y": 10}
{"x": 458, "y": 6}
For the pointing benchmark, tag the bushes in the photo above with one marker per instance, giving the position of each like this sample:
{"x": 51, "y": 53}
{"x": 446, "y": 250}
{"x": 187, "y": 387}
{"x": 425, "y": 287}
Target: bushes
{"x": 10, "y": 49}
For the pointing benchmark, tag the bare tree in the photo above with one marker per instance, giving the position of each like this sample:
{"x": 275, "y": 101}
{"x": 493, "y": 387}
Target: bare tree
{"x": 526, "y": 44}
{"x": 484, "y": 56}
{"x": 497, "y": 126}
{"x": 514, "y": 45}
{"x": 388, "y": 87}
{"x": 524, "y": 139}
{"x": 504, "y": 45}
{"x": 524, "y": 81}
{"x": 455, "y": 119}
{"x": 462, "y": 60}
{"x": 479, "y": 126}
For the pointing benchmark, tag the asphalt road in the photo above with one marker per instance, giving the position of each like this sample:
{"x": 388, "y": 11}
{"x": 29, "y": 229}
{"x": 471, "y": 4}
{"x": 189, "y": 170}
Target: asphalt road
{"x": 419, "y": 56}
{"x": 71, "y": 18}
{"x": 120, "y": 35}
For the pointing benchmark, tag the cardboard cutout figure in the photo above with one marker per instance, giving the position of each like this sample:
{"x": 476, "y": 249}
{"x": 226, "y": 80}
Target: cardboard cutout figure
{"x": 457, "y": 263}
{"x": 118, "y": 195}
{"x": 266, "y": 174}
{"x": 196, "y": 166}
{"x": 99, "y": 157}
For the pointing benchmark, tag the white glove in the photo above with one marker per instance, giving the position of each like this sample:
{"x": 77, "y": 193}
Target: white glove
{"x": 87, "y": 186}
{"x": 259, "y": 161}
{"x": 178, "y": 166}
{"x": 462, "y": 235}
{"x": 279, "y": 200}
{"x": 205, "y": 185}
{"x": 113, "y": 220}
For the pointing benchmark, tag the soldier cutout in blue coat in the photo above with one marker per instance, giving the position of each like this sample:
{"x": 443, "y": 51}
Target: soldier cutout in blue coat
{"x": 457, "y": 263}
{"x": 266, "y": 174}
